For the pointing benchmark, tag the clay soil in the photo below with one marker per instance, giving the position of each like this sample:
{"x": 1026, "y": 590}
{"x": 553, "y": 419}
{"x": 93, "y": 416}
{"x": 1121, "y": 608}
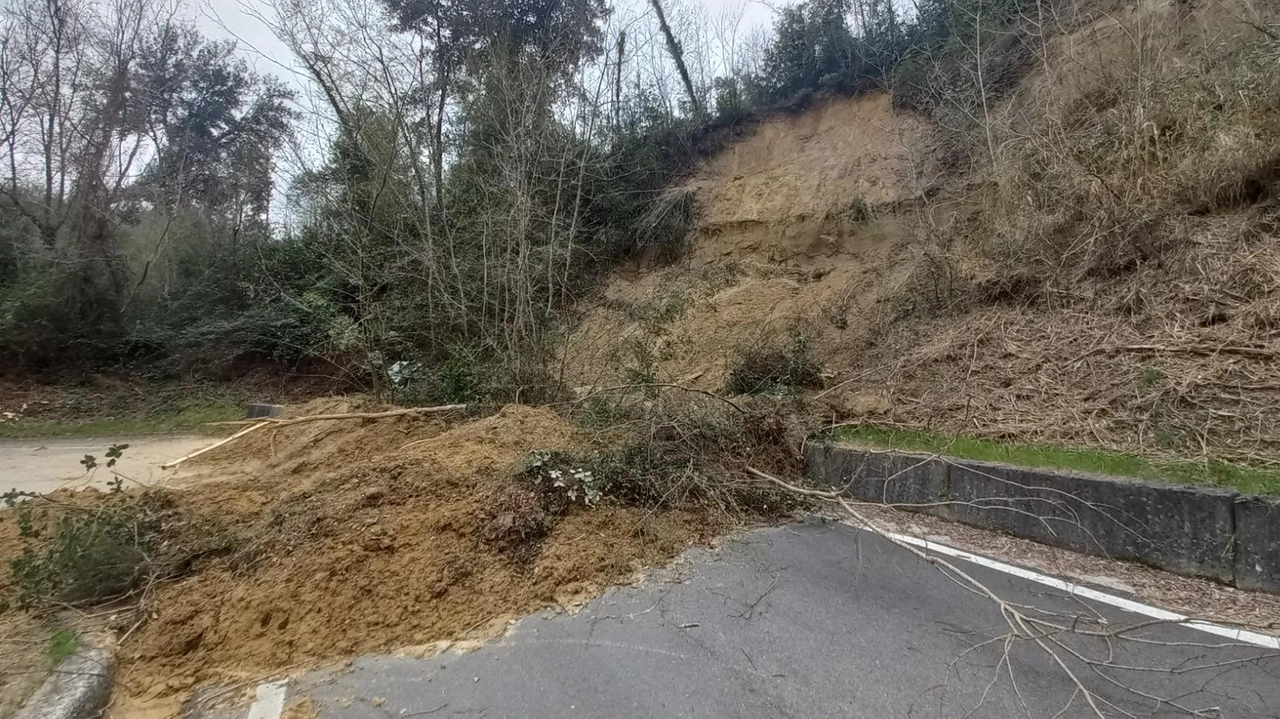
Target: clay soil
{"x": 23, "y": 659}
{"x": 330, "y": 539}
{"x": 798, "y": 227}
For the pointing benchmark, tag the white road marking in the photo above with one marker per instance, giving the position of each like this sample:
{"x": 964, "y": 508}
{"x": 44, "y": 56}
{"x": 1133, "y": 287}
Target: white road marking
{"x": 269, "y": 702}
{"x": 1240, "y": 635}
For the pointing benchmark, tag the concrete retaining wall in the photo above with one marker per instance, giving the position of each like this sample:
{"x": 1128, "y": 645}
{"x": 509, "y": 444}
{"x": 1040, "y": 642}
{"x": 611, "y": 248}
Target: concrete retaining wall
{"x": 1195, "y": 531}
{"x": 1257, "y": 564}
{"x": 79, "y": 687}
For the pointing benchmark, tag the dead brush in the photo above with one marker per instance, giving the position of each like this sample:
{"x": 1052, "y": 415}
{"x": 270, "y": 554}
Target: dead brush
{"x": 1095, "y": 176}
{"x": 518, "y": 518}
{"x": 678, "y": 449}
{"x": 666, "y": 224}
{"x": 771, "y": 366}
{"x": 1126, "y": 220}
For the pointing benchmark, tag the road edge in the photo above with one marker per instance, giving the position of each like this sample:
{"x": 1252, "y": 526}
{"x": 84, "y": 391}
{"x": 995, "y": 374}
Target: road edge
{"x": 1206, "y": 532}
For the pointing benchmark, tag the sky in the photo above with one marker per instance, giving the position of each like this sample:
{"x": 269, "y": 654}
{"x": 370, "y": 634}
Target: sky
{"x": 239, "y": 20}
{"x": 234, "y": 19}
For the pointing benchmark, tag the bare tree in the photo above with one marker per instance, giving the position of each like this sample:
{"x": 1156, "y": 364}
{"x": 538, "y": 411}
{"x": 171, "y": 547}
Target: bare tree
{"x": 677, "y": 56}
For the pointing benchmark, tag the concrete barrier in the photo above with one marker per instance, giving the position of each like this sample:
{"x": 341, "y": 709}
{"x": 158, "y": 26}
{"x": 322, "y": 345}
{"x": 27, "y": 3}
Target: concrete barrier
{"x": 1196, "y": 531}
{"x": 889, "y": 478}
{"x": 259, "y": 410}
{"x": 1257, "y": 564}
{"x": 79, "y": 687}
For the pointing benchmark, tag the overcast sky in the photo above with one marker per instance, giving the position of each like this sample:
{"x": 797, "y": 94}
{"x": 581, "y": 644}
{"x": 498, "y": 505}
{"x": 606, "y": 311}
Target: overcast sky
{"x": 235, "y": 19}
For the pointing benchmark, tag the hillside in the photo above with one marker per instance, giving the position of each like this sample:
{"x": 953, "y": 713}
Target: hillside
{"x": 1103, "y": 271}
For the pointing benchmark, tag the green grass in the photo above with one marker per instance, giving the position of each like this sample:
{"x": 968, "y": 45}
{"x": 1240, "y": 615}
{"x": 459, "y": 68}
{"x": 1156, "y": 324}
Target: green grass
{"x": 1250, "y": 480}
{"x": 143, "y": 423}
{"x": 62, "y": 644}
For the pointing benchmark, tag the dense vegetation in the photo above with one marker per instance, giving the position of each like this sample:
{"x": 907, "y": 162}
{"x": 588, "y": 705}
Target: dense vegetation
{"x": 465, "y": 169}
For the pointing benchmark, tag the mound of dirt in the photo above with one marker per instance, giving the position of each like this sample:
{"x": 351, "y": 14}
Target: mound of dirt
{"x": 328, "y": 539}
{"x": 24, "y": 661}
{"x": 305, "y": 451}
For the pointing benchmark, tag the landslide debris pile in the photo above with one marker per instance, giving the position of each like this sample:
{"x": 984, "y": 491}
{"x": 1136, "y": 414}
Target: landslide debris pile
{"x": 307, "y": 543}
{"x": 1098, "y": 268}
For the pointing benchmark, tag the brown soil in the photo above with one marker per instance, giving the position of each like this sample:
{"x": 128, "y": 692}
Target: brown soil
{"x": 23, "y": 661}
{"x": 928, "y": 312}
{"x": 303, "y": 709}
{"x": 798, "y": 227}
{"x": 365, "y": 536}
{"x": 23, "y": 637}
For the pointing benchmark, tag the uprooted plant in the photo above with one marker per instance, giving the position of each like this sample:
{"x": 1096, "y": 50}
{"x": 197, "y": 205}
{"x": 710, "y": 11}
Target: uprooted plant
{"x": 666, "y": 446}
{"x": 83, "y": 554}
{"x": 86, "y": 550}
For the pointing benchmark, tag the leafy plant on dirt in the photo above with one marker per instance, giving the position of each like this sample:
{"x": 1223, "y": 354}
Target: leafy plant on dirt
{"x": 553, "y": 483}
{"x": 763, "y": 369}
{"x": 85, "y": 549}
{"x": 562, "y": 473}
{"x": 642, "y": 364}
{"x": 83, "y": 554}
{"x": 62, "y": 644}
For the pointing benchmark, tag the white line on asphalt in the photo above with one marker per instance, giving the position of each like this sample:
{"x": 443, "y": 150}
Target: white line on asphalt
{"x": 269, "y": 702}
{"x": 1240, "y": 635}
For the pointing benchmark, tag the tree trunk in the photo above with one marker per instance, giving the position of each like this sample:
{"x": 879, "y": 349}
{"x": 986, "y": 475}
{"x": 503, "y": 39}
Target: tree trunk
{"x": 677, "y": 55}
{"x": 617, "y": 84}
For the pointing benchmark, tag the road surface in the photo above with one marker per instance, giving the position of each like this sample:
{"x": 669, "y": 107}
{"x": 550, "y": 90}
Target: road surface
{"x": 44, "y": 465}
{"x": 812, "y": 619}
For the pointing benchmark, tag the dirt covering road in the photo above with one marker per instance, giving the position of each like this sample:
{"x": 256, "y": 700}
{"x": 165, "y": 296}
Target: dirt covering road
{"x": 303, "y": 545}
{"x": 295, "y": 547}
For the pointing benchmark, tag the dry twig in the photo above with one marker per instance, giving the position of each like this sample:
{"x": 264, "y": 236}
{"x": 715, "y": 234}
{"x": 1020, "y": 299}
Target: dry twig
{"x": 1049, "y": 630}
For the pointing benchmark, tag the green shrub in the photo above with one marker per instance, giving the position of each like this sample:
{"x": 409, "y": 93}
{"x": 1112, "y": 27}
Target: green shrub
{"x": 679, "y": 449}
{"x": 83, "y": 554}
{"x": 461, "y": 380}
{"x": 764, "y": 369}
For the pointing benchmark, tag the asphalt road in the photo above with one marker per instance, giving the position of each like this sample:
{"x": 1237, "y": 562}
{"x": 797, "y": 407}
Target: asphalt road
{"x": 806, "y": 620}
{"x": 45, "y": 465}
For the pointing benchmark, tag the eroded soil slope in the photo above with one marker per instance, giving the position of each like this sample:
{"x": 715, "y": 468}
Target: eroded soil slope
{"x": 798, "y": 225}
{"x": 1101, "y": 269}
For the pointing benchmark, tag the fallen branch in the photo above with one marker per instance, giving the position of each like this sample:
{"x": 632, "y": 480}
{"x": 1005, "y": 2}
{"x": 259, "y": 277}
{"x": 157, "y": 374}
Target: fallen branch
{"x": 280, "y": 422}
{"x": 667, "y": 385}
{"x": 1206, "y": 350}
{"x": 1023, "y": 622}
{"x": 213, "y": 446}
{"x": 258, "y": 424}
